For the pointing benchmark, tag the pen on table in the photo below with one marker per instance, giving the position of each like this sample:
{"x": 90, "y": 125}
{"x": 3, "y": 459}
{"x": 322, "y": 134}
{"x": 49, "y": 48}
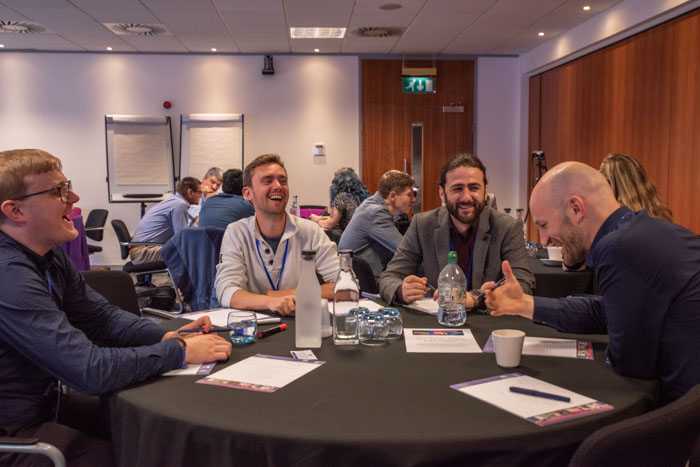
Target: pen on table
{"x": 271, "y": 331}
{"x": 213, "y": 329}
{"x": 533, "y": 392}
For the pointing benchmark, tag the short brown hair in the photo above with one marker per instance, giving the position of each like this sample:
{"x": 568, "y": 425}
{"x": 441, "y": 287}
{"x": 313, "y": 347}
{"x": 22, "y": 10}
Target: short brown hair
{"x": 257, "y": 162}
{"x": 188, "y": 183}
{"x": 16, "y": 165}
{"x": 462, "y": 159}
{"x": 396, "y": 181}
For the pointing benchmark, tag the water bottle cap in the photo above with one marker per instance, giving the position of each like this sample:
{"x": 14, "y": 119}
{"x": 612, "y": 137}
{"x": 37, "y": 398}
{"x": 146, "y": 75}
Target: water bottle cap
{"x": 345, "y": 252}
{"x": 452, "y": 257}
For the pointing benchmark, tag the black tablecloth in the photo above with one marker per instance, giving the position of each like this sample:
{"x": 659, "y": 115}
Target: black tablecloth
{"x": 371, "y": 406}
{"x": 553, "y": 281}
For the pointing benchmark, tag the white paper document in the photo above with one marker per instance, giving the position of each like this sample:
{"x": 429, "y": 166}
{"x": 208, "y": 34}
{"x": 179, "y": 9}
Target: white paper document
{"x": 369, "y": 304}
{"x": 192, "y": 369}
{"x": 426, "y": 305}
{"x": 263, "y": 373}
{"x": 219, "y": 316}
{"x": 538, "y": 410}
{"x": 552, "y": 347}
{"x": 440, "y": 341}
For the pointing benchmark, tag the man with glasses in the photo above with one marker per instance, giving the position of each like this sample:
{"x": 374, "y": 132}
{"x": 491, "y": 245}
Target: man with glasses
{"x": 54, "y": 327}
{"x": 163, "y": 221}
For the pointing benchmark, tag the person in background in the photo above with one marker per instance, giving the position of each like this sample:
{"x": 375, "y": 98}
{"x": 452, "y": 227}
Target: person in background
{"x": 650, "y": 303}
{"x": 261, "y": 255}
{"x": 632, "y": 187}
{"x": 372, "y": 233}
{"x": 51, "y": 322}
{"x": 347, "y": 193}
{"x": 163, "y": 221}
{"x": 481, "y": 236}
{"x": 210, "y": 184}
{"x": 222, "y": 209}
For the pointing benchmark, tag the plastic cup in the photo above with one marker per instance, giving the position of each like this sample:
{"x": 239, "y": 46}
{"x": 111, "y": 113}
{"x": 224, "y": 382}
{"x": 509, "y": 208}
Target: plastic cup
{"x": 508, "y": 344}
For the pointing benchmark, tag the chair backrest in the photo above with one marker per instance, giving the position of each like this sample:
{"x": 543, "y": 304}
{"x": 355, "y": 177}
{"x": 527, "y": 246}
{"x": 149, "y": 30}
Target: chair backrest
{"x": 115, "y": 286}
{"x": 665, "y": 436}
{"x": 334, "y": 235}
{"x": 191, "y": 256}
{"x": 364, "y": 275}
{"x": 123, "y": 235}
{"x": 96, "y": 219}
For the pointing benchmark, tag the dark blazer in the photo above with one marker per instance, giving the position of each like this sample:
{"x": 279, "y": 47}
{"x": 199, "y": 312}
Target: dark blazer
{"x": 499, "y": 237}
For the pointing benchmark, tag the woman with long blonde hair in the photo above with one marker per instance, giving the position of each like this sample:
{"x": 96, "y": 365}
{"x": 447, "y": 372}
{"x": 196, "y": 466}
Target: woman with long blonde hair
{"x": 632, "y": 187}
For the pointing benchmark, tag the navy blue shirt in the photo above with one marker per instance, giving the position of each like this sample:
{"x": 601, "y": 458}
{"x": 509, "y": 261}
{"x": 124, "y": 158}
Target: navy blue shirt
{"x": 49, "y": 321}
{"x": 222, "y": 209}
{"x": 649, "y": 275}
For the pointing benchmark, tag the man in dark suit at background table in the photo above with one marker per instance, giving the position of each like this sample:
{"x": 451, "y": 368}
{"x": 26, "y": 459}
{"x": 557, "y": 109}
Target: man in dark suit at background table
{"x": 648, "y": 270}
{"x": 481, "y": 236}
{"x": 50, "y": 320}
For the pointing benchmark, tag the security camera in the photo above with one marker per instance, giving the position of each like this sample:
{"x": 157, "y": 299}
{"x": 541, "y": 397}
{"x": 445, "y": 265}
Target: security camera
{"x": 268, "y": 67}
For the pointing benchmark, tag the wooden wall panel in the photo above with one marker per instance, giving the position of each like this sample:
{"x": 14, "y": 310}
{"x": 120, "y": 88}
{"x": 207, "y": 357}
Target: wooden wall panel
{"x": 387, "y": 115}
{"x": 637, "y": 97}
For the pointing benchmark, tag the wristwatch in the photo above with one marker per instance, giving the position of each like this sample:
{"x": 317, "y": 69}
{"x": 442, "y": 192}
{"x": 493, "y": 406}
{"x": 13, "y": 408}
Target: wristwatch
{"x": 478, "y": 299}
{"x": 183, "y": 345}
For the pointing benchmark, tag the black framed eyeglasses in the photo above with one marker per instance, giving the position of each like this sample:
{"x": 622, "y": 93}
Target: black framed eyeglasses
{"x": 63, "y": 189}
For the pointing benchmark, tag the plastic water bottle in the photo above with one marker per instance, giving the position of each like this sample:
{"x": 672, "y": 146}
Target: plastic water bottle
{"x": 308, "y": 304}
{"x": 294, "y": 210}
{"x": 452, "y": 291}
{"x": 346, "y": 299}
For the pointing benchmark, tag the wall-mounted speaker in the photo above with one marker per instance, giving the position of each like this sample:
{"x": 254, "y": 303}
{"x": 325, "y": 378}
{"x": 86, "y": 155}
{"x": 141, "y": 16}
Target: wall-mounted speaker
{"x": 268, "y": 67}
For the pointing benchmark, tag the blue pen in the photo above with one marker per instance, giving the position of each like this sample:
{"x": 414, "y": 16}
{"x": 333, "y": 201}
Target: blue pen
{"x": 213, "y": 329}
{"x": 545, "y": 395}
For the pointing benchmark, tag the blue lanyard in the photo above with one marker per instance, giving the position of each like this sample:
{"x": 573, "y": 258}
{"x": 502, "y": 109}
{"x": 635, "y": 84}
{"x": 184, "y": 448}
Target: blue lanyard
{"x": 48, "y": 279}
{"x": 471, "y": 257}
{"x": 617, "y": 225}
{"x": 267, "y": 273}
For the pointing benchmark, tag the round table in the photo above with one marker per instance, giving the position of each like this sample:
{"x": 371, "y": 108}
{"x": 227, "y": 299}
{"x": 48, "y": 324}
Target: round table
{"x": 365, "y": 405}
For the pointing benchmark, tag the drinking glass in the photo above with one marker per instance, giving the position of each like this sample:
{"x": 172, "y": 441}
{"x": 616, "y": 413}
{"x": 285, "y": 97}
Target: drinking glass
{"x": 243, "y": 325}
{"x": 394, "y": 324}
{"x": 372, "y": 328}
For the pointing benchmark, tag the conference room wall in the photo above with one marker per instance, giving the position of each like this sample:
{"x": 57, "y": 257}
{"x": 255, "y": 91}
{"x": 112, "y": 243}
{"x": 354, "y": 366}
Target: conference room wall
{"x": 57, "y": 102}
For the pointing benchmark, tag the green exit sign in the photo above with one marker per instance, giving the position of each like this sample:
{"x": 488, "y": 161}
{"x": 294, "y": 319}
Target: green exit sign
{"x": 416, "y": 85}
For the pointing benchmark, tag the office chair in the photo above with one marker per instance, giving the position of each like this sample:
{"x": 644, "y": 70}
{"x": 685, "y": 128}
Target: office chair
{"x": 191, "y": 257}
{"x": 665, "y": 436}
{"x": 116, "y": 287}
{"x": 364, "y": 275}
{"x": 33, "y": 446}
{"x": 95, "y": 227}
{"x": 144, "y": 270}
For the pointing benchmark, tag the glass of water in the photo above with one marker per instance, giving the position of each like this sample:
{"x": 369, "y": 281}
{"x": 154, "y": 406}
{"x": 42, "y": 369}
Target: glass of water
{"x": 243, "y": 326}
{"x": 394, "y": 324}
{"x": 372, "y": 328}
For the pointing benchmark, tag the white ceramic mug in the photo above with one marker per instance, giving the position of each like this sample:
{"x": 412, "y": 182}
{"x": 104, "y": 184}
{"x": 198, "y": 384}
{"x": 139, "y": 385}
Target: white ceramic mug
{"x": 508, "y": 344}
{"x": 554, "y": 253}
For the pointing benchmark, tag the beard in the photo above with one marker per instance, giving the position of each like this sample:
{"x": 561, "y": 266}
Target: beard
{"x": 573, "y": 241}
{"x": 453, "y": 209}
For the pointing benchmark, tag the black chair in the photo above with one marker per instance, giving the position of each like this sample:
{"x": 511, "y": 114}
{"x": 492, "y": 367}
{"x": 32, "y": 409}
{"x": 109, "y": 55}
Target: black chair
{"x": 364, "y": 275}
{"x": 334, "y": 234}
{"x": 145, "y": 269}
{"x": 95, "y": 228}
{"x": 33, "y": 446}
{"x": 665, "y": 436}
{"x": 116, "y": 287}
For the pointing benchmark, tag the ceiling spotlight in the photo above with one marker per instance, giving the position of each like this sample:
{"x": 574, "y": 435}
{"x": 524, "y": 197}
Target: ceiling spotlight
{"x": 2, "y": 46}
{"x": 540, "y": 34}
{"x": 213, "y": 49}
{"x": 586, "y": 7}
{"x": 109, "y": 48}
{"x": 317, "y": 50}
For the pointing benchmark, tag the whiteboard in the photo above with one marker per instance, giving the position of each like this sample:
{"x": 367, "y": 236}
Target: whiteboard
{"x": 210, "y": 140}
{"x": 140, "y": 164}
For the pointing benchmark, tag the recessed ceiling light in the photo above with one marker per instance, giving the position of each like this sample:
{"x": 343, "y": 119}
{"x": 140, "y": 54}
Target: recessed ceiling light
{"x": 316, "y": 33}
{"x": 2, "y": 46}
{"x": 109, "y": 48}
{"x": 586, "y": 8}
{"x": 317, "y": 50}
{"x": 540, "y": 34}
{"x": 213, "y": 49}
{"x": 390, "y": 6}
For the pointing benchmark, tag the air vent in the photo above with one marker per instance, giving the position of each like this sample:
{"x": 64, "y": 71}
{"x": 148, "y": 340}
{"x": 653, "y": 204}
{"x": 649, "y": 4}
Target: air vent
{"x": 377, "y": 31}
{"x": 22, "y": 27}
{"x": 137, "y": 29}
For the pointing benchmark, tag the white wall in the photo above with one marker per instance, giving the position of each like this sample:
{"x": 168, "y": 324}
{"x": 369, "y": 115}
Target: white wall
{"x": 498, "y": 127}
{"x": 57, "y": 102}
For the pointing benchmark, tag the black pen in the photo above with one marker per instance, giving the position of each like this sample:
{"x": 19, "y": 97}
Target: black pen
{"x": 213, "y": 329}
{"x": 500, "y": 282}
{"x": 271, "y": 331}
{"x": 533, "y": 392}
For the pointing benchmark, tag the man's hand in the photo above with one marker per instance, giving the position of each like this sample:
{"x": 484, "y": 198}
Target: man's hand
{"x": 414, "y": 288}
{"x": 508, "y": 299}
{"x": 207, "y": 348}
{"x": 284, "y": 304}
{"x": 203, "y": 322}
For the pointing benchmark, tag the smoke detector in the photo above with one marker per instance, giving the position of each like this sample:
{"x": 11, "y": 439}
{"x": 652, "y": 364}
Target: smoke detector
{"x": 377, "y": 31}
{"x": 22, "y": 27}
{"x": 137, "y": 29}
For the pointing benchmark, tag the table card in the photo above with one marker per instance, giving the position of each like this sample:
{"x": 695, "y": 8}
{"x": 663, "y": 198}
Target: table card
{"x": 219, "y": 316}
{"x": 440, "y": 341}
{"x": 541, "y": 411}
{"x": 552, "y": 347}
{"x": 263, "y": 373}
